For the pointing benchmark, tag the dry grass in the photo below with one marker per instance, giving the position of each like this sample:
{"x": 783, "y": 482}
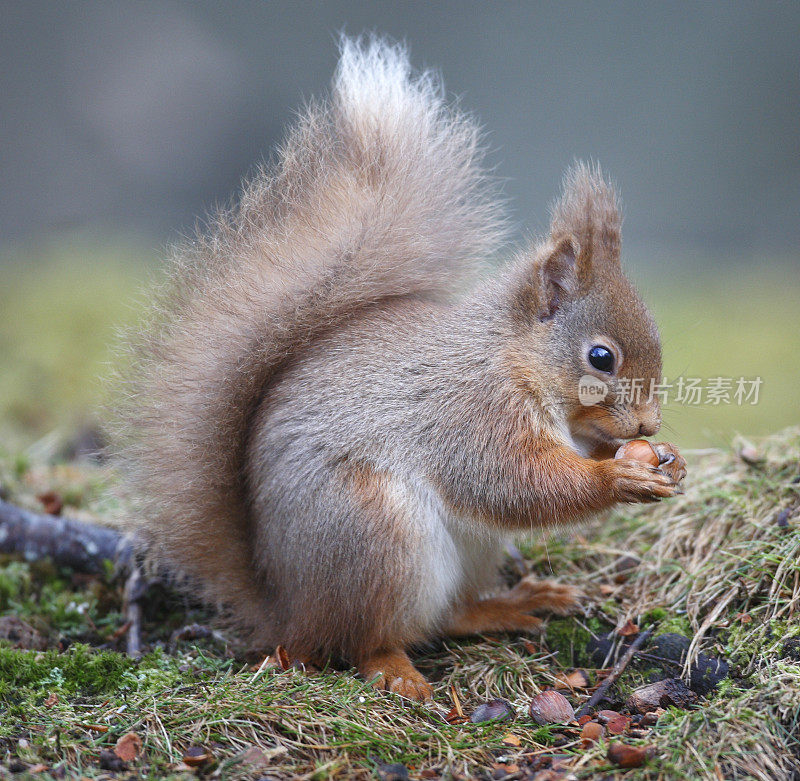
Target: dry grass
{"x": 718, "y": 564}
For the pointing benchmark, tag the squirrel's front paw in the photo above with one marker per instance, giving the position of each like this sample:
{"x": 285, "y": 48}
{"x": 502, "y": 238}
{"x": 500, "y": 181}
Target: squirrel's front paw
{"x": 635, "y": 481}
{"x": 670, "y": 461}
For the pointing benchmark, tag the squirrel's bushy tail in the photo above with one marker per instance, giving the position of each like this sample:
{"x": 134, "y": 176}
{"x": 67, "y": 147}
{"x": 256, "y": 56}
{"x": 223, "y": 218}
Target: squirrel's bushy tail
{"x": 376, "y": 193}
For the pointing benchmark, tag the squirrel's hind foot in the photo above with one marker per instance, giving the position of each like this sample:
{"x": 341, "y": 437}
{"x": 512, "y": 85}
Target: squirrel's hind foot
{"x": 532, "y": 595}
{"x": 392, "y": 671}
{"x": 509, "y": 612}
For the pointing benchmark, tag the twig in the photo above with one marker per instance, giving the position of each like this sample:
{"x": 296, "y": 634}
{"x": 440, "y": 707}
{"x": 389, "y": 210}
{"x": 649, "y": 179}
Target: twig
{"x": 84, "y": 547}
{"x": 617, "y": 670}
{"x": 135, "y": 588}
{"x": 196, "y": 632}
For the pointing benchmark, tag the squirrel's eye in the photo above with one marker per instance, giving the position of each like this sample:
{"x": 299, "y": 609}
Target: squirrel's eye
{"x": 601, "y": 358}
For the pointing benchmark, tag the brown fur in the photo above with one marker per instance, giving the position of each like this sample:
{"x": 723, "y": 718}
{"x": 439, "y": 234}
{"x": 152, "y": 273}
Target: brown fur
{"x": 329, "y": 445}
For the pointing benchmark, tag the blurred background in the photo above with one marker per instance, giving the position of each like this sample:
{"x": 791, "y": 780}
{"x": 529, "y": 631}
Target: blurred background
{"x": 123, "y": 122}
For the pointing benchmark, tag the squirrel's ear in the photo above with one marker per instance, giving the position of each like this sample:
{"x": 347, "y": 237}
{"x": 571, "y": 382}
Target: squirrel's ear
{"x": 544, "y": 279}
{"x": 589, "y": 212}
{"x": 557, "y": 278}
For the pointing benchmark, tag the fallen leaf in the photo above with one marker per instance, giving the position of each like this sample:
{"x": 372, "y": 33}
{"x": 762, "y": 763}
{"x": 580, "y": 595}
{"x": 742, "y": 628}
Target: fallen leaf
{"x": 456, "y": 701}
{"x": 549, "y": 775}
{"x": 512, "y": 740}
{"x": 628, "y": 629}
{"x": 282, "y": 657}
{"x": 574, "y": 680}
{"x": 750, "y": 455}
{"x": 606, "y": 589}
{"x": 453, "y": 717}
{"x": 506, "y": 769}
{"x": 604, "y": 715}
{"x": 627, "y": 756}
{"x": 618, "y": 724}
{"x": 591, "y": 733}
{"x": 38, "y": 768}
{"x": 94, "y": 727}
{"x": 253, "y": 756}
{"x": 584, "y": 719}
{"x": 51, "y": 700}
{"x": 128, "y": 747}
{"x": 52, "y": 502}
{"x": 530, "y": 647}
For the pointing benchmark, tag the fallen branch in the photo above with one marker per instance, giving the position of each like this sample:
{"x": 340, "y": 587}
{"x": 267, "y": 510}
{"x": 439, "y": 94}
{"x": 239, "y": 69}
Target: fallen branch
{"x": 616, "y": 671}
{"x": 84, "y": 547}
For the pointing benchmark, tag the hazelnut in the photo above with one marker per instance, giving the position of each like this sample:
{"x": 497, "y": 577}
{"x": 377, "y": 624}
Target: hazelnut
{"x": 494, "y": 710}
{"x": 638, "y": 450}
{"x": 551, "y": 707}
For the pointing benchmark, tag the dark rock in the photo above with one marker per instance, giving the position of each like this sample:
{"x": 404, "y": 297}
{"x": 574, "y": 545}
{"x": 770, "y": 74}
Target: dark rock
{"x": 599, "y": 648}
{"x": 21, "y": 634}
{"x": 494, "y": 710}
{"x": 671, "y": 646}
{"x": 110, "y": 761}
{"x": 662, "y": 694}
{"x": 624, "y": 566}
{"x": 706, "y": 672}
{"x": 791, "y": 649}
{"x": 396, "y": 772}
{"x": 782, "y": 519}
{"x": 649, "y": 719}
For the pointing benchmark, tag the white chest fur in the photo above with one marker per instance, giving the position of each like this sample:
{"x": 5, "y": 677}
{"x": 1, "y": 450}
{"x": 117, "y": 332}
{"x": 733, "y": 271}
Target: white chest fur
{"x": 458, "y": 556}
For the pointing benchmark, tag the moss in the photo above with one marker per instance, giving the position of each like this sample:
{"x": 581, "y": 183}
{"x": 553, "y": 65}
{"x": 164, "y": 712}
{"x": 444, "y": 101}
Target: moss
{"x": 654, "y": 616}
{"x": 21, "y": 465}
{"x": 15, "y": 583}
{"x": 674, "y": 624}
{"x": 77, "y": 671}
{"x": 569, "y": 640}
{"x": 635, "y": 677}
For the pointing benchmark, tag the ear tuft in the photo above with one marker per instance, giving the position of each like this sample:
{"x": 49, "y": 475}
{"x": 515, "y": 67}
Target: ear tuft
{"x": 589, "y": 211}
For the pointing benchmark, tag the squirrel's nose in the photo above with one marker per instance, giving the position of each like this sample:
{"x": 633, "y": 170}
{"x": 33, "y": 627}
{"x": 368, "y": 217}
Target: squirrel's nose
{"x": 648, "y": 429}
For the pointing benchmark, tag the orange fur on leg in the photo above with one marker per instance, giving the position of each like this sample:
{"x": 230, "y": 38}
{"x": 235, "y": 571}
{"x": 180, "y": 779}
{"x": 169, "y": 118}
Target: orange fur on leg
{"x": 392, "y": 670}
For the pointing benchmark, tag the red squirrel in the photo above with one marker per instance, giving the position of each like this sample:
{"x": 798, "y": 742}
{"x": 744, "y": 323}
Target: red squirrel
{"x": 333, "y": 426}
